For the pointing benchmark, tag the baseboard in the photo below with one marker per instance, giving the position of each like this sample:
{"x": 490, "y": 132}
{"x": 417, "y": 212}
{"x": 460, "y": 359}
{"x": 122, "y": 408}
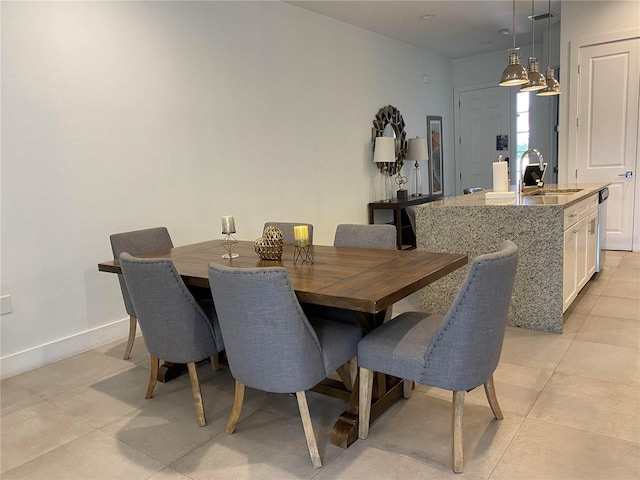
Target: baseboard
{"x": 66, "y": 347}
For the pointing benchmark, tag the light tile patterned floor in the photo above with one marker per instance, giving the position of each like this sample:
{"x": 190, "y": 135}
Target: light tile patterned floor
{"x": 571, "y": 405}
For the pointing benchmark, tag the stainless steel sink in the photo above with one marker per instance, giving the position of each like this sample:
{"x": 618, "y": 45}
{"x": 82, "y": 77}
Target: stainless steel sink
{"x": 552, "y": 191}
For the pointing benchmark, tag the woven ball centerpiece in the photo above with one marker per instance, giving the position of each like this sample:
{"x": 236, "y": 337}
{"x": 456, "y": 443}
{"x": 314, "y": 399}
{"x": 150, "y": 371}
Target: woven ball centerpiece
{"x": 269, "y": 246}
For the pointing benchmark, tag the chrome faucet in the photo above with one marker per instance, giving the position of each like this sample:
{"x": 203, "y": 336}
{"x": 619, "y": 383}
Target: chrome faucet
{"x": 543, "y": 169}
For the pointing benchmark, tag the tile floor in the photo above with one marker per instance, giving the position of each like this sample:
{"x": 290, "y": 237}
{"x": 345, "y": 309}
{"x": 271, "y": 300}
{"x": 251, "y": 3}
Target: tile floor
{"x": 571, "y": 405}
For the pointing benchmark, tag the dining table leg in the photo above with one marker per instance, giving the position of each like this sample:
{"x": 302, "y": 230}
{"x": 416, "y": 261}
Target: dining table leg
{"x": 169, "y": 370}
{"x": 386, "y": 391}
{"x": 345, "y": 430}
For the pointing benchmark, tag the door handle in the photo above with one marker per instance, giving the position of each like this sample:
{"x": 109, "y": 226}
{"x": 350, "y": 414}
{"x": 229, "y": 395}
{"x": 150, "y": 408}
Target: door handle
{"x": 628, "y": 174}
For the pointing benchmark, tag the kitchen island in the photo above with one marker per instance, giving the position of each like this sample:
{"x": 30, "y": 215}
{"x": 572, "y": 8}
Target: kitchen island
{"x": 555, "y": 234}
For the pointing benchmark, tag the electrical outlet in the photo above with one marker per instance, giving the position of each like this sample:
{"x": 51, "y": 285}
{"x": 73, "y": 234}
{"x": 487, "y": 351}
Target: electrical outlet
{"x": 5, "y": 304}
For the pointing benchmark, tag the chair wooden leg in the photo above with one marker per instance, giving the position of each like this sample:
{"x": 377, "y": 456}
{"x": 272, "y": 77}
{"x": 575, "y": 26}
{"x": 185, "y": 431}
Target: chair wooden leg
{"x": 407, "y": 388}
{"x": 153, "y": 376}
{"x": 215, "y": 362}
{"x": 364, "y": 402}
{"x": 490, "y": 391}
{"x": 236, "y": 409}
{"x": 308, "y": 429}
{"x": 457, "y": 411}
{"x": 133, "y": 322}
{"x": 197, "y": 395}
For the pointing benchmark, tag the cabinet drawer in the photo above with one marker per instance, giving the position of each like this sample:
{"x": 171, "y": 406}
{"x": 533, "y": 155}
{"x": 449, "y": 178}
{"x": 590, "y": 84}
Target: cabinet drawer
{"x": 571, "y": 215}
{"x": 587, "y": 207}
{"x": 579, "y": 211}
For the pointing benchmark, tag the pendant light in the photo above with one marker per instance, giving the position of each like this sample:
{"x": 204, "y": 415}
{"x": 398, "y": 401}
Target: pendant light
{"x": 553, "y": 87}
{"x": 514, "y": 74}
{"x": 536, "y": 79}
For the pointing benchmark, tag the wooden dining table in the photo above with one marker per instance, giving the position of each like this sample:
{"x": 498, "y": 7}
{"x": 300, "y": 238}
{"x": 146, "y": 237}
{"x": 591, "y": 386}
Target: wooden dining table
{"x": 362, "y": 282}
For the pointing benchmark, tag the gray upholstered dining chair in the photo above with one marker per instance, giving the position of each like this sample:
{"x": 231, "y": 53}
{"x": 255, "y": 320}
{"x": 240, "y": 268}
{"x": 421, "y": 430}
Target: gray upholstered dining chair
{"x": 271, "y": 345}
{"x": 175, "y": 327}
{"x": 137, "y": 242}
{"x": 380, "y": 236}
{"x": 457, "y": 352}
{"x": 287, "y": 230}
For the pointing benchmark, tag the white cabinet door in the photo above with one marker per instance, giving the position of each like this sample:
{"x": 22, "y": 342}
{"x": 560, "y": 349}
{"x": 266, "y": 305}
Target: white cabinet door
{"x": 569, "y": 281}
{"x": 581, "y": 253}
{"x": 580, "y": 248}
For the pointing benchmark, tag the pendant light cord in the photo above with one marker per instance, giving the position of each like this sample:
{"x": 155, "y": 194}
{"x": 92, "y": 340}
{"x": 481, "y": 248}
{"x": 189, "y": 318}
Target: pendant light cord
{"x": 549, "y": 37}
{"x": 514, "y": 24}
{"x": 533, "y": 31}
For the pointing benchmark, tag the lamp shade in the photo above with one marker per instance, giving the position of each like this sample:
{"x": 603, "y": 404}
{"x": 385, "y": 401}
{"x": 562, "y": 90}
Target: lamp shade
{"x": 536, "y": 79}
{"x": 553, "y": 87}
{"x": 417, "y": 149}
{"x": 514, "y": 74}
{"x": 384, "y": 150}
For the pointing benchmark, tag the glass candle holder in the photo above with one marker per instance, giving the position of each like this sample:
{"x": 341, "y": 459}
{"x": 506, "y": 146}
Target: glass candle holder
{"x": 301, "y": 235}
{"x": 229, "y": 242}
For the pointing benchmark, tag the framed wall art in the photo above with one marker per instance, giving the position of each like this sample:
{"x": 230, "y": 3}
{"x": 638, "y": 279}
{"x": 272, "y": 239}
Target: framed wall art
{"x": 436, "y": 162}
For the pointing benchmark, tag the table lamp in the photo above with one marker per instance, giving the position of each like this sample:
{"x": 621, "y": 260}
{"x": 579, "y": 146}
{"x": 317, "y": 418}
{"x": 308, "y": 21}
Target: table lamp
{"x": 384, "y": 152}
{"x": 417, "y": 151}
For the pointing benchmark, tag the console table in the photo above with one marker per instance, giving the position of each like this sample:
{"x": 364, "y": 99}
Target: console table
{"x": 406, "y": 236}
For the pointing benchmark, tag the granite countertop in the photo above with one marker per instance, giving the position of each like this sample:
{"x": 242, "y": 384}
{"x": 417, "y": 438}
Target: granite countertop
{"x": 479, "y": 199}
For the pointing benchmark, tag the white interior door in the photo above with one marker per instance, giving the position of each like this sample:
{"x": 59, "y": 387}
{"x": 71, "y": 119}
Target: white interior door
{"x": 484, "y": 114}
{"x": 607, "y": 130}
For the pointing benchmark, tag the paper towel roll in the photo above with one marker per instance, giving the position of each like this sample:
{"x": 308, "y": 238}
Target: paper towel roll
{"x": 500, "y": 177}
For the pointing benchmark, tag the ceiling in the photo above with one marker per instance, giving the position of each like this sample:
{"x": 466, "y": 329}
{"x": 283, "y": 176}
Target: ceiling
{"x": 459, "y": 28}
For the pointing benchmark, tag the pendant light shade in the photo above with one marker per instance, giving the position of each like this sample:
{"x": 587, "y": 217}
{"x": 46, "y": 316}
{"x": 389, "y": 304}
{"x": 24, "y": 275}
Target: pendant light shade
{"x": 553, "y": 86}
{"x": 536, "y": 79}
{"x": 514, "y": 74}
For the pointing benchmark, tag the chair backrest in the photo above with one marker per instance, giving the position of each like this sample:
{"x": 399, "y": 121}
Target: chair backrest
{"x": 136, "y": 243}
{"x": 174, "y": 326}
{"x": 270, "y": 344}
{"x": 472, "y": 190}
{"x": 287, "y": 230}
{"x": 466, "y": 348}
{"x": 366, "y": 236}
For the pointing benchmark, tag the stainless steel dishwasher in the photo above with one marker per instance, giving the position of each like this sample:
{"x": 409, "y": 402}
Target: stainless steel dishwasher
{"x": 602, "y": 227}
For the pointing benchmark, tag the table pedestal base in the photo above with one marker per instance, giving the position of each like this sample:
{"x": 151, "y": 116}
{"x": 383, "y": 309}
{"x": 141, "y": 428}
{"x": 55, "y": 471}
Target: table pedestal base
{"x": 169, "y": 370}
{"x": 345, "y": 430}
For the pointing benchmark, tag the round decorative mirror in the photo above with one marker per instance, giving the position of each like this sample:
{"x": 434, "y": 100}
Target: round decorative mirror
{"x": 389, "y": 123}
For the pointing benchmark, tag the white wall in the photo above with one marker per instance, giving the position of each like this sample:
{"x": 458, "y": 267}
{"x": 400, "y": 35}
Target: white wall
{"x": 125, "y": 115}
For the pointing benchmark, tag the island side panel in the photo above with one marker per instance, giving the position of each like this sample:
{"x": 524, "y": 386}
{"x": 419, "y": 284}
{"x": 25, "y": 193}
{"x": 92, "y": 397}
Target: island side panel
{"x": 475, "y": 230}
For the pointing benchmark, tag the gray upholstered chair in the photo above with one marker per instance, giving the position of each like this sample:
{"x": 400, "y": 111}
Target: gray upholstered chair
{"x": 466, "y": 191}
{"x": 174, "y": 326}
{"x": 366, "y": 236}
{"x": 457, "y": 352}
{"x": 271, "y": 345}
{"x": 287, "y": 230}
{"x": 137, "y": 242}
